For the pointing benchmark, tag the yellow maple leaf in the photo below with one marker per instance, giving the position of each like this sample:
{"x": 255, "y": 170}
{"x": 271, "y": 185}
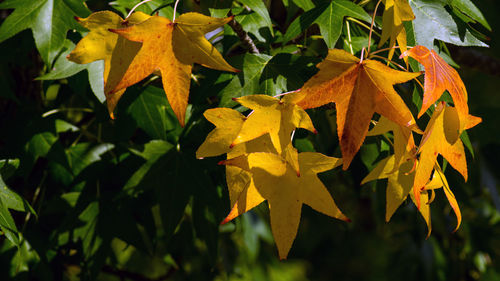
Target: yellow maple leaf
{"x": 439, "y": 181}
{"x": 399, "y": 185}
{"x": 276, "y": 181}
{"x": 358, "y": 89}
{"x": 395, "y": 12}
{"x": 403, "y": 139}
{"x": 101, "y": 44}
{"x": 172, "y": 48}
{"x": 272, "y": 116}
{"x": 440, "y": 137}
{"x": 228, "y": 123}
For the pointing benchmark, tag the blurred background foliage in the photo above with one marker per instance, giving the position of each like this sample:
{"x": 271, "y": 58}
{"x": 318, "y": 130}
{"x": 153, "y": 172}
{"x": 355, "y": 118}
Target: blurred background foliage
{"x": 91, "y": 198}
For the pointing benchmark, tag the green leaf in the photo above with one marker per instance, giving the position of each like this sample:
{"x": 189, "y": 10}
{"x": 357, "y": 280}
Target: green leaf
{"x": 48, "y": 19}
{"x": 432, "y": 21}
{"x": 153, "y": 114}
{"x": 465, "y": 139}
{"x": 8, "y": 167}
{"x": 167, "y": 173}
{"x": 259, "y": 7}
{"x": 329, "y": 18}
{"x": 305, "y": 5}
{"x": 64, "y": 68}
{"x": 7, "y": 224}
{"x": 83, "y": 154}
{"x": 251, "y": 23}
{"x": 263, "y": 74}
{"x": 12, "y": 200}
{"x": 468, "y": 8}
{"x": 152, "y": 152}
{"x": 40, "y": 144}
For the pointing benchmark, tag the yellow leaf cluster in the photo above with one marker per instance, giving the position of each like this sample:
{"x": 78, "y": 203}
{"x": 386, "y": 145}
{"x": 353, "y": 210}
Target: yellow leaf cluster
{"x": 262, "y": 165}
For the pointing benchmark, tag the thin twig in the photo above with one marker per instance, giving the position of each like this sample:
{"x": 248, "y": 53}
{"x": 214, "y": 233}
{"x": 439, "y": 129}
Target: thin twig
{"x": 135, "y": 7}
{"x": 371, "y": 27}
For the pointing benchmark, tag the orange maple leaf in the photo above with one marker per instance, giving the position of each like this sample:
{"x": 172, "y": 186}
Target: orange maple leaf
{"x": 439, "y": 76}
{"x": 358, "y": 89}
{"x": 172, "y": 48}
{"x": 440, "y": 137}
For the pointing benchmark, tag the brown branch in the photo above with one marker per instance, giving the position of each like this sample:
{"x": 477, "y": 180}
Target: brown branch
{"x": 238, "y": 29}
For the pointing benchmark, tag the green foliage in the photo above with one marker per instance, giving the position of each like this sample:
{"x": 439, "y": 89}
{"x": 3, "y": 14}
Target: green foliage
{"x": 86, "y": 197}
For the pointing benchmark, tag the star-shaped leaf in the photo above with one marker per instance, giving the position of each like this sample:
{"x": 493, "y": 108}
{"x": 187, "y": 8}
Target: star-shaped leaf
{"x": 439, "y": 76}
{"x": 440, "y": 137}
{"x": 101, "y": 44}
{"x": 277, "y": 182}
{"x": 399, "y": 185}
{"x": 395, "y": 12}
{"x": 330, "y": 18}
{"x": 228, "y": 123}
{"x": 432, "y": 21}
{"x": 49, "y": 20}
{"x": 358, "y": 89}
{"x": 172, "y": 48}
{"x": 274, "y": 116}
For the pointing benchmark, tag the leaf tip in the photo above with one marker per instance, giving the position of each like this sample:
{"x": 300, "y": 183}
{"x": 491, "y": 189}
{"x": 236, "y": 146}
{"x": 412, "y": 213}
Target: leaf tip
{"x": 78, "y": 19}
{"x": 222, "y": 162}
{"x": 225, "y": 220}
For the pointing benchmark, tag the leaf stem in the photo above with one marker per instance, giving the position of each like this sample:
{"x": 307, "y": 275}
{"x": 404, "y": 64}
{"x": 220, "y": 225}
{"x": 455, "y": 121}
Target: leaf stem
{"x": 286, "y": 93}
{"x": 389, "y": 61}
{"x": 135, "y": 7}
{"x": 360, "y": 23}
{"x": 175, "y": 9}
{"x": 387, "y": 49}
{"x": 371, "y": 27}
{"x": 349, "y": 37}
